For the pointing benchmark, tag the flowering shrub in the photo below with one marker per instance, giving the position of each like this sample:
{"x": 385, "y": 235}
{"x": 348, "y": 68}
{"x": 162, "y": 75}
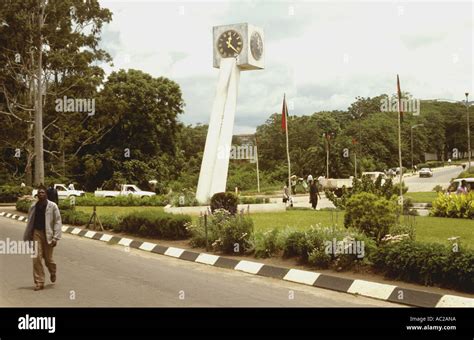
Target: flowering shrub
{"x": 227, "y": 233}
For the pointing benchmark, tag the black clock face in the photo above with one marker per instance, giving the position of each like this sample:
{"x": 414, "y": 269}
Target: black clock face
{"x": 256, "y": 45}
{"x": 229, "y": 44}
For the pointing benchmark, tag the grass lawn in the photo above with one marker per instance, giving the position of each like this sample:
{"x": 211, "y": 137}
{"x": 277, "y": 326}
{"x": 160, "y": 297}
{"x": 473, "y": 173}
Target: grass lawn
{"x": 422, "y": 197}
{"x": 428, "y": 229}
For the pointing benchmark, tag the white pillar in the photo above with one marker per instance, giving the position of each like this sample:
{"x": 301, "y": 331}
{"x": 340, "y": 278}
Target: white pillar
{"x": 215, "y": 162}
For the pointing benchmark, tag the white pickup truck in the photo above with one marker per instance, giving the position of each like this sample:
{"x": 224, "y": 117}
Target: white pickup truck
{"x": 63, "y": 192}
{"x": 335, "y": 184}
{"x": 125, "y": 190}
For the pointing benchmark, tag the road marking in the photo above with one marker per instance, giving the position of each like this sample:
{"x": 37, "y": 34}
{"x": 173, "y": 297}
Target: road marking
{"x": 372, "y": 289}
{"x": 76, "y": 231}
{"x": 249, "y": 267}
{"x": 63, "y": 228}
{"x": 455, "y": 301}
{"x": 2, "y": 213}
{"x": 90, "y": 234}
{"x": 106, "y": 238}
{"x": 147, "y": 246}
{"x": 125, "y": 242}
{"x": 8, "y": 215}
{"x": 21, "y": 218}
{"x": 301, "y": 276}
{"x": 174, "y": 252}
{"x": 207, "y": 259}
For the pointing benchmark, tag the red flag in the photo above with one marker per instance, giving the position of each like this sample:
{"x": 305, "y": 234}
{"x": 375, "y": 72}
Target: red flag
{"x": 399, "y": 94}
{"x": 284, "y": 114}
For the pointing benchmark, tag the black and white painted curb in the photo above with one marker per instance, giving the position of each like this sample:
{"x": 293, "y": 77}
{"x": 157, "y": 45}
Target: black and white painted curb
{"x": 375, "y": 290}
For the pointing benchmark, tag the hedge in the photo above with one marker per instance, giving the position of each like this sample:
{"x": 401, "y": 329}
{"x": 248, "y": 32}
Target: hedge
{"x": 90, "y": 200}
{"x": 155, "y": 224}
{"x": 427, "y": 264}
{"x": 10, "y": 193}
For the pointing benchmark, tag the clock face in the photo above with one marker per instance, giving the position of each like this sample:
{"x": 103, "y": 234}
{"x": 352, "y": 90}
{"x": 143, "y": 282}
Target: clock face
{"x": 229, "y": 44}
{"x": 256, "y": 45}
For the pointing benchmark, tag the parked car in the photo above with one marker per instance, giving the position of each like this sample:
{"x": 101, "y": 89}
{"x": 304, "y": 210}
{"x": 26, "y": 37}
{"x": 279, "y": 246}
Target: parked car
{"x": 335, "y": 184}
{"x": 125, "y": 190}
{"x": 425, "y": 172}
{"x": 63, "y": 192}
{"x": 374, "y": 175}
{"x": 457, "y": 182}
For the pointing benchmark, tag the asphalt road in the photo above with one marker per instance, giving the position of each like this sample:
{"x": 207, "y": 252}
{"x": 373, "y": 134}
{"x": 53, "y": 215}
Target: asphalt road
{"x": 441, "y": 176}
{"x": 92, "y": 273}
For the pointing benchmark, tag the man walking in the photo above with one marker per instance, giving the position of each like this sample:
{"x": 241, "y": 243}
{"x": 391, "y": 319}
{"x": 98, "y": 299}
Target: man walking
{"x": 52, "y": 194}
{"x": 313, "y": 194}
{"x": 44, "y": 228}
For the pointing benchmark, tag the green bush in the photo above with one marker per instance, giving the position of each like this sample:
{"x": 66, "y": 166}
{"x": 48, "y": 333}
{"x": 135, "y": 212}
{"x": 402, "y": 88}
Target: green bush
{"x": 74, "y": 217}
{"x": 371, "y": 214}
{"x": 91, "y": 200}
{"x": 10, "y": 193}
{"x": 315, "y": 246}
{"x": 402, "y": 229}
{"x": 365, "y": 184}
{"x": 224, "y": 200}
{"x": 426, "y": 263}
{"x": 23, "y": 204}
{"x": 455, "y": 206}
{"x": 186, "y": 198}
{"x": 227, "y": 233}
{"x": 155, "y": 224}
{"x": 438, "y": 188}
{"x": 267, "y": 244}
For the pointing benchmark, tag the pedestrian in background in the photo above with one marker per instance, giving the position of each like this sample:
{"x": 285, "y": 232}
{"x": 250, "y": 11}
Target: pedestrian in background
{"x": 52, "y": 194}
{"x": 313, "y": 194}
{"x": 44, "y": 228}
{"x": 462, "y": 189}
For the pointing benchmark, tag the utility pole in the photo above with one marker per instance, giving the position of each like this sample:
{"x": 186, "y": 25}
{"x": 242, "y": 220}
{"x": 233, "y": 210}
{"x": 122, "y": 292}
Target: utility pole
{"x": 39, "y": 153}
{"x": 258, "y": 173}
{"x": 468, "y": 133}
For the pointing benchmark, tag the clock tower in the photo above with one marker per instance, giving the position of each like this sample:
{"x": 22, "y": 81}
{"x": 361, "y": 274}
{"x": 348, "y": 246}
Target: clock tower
{"x": 237, "y": 47}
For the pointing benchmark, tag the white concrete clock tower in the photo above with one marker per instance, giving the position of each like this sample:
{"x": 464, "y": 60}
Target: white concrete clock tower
{"x": 237, "y": 47}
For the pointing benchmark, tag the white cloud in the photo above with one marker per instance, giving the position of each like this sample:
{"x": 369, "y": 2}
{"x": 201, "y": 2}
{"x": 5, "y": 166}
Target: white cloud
{"x": 322, "y": 57}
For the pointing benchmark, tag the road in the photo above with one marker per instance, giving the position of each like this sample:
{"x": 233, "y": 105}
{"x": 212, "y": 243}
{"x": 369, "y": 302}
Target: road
{"x": 441, "y": 176}
{"x": 92, "y": 273}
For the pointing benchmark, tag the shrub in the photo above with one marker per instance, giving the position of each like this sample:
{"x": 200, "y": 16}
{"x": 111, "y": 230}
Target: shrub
{"x": 226, "y": 232}
{"x": 402, "y": 229}
{"x": 23, "y": 204}
{"x": 438, "y": 188}
{"x": 319, "y": 247}
{"x": 267, "y": 244}
{"x": 74, "y": 217}
{"x": 224, "y": 200}
{"x": 185, "y": 197}
{"x": 456, "y": 206}
{"x": 253, "y": 200}
{"x": 155, "y": 224}
{"x": 426, "y": 263}
{"x": 370, "y": 214}
{"x": 365, "y": 184}
{"x": 91, "y": 200}
{"x": 10, "y": 193}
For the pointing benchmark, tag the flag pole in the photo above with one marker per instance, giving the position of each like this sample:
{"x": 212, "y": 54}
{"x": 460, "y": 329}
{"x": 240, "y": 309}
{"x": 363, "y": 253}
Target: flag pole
{"x": 287, "y": 145}
{"x": 400, "y": 142}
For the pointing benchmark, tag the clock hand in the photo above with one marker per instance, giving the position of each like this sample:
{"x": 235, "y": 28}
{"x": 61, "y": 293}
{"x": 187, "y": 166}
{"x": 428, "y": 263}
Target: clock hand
{"x": 232, "y": 47}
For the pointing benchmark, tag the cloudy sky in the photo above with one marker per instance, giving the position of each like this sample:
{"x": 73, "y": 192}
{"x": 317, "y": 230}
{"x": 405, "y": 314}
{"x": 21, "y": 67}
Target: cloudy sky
{"x": 321, "y": 54}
